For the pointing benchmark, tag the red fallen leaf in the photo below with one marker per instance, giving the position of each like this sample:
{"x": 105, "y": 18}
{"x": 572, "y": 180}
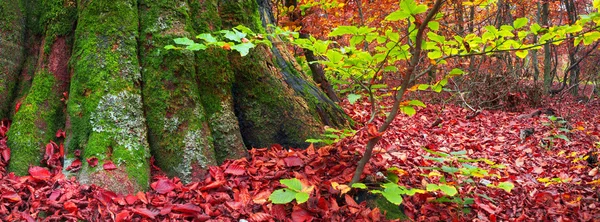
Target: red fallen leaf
{"x": 92, "y": 161}
{"x": 122, "y": 216}
{"x": 17, "y": 106}
{"x": 60, "y": 133}
{"x": 109, "y": 165}
{"x": 213, "y": 185}
{"x": 77, "y": 153}
{"x": 163, "y": 186}
{"x": 293, "y": 161}
{"x": 75, "y": 166}
{"x": 27, "y": 217}
{"x": 166, "y": 209}
{"x": 145, "y": 212}
{"x": 130, "y": 199}
{"x": 39, "y": 173}
{"x": 50, "y": 147}
{"x": 235, "y": 170}
{"x": 350, "y": 201}
{"x": 261, "y": 197}
{"x": 301, "y": 215}
{"x": 187, "y": 208}
{"x": 323, "y": 204}
{"x": 54, "y": 195}
{"x": 6, "y": 154}
{"x": 373, "y": 132}
{"x": 11, "y": 196}
{"x": 544, "y": 199}
{"x": 259, "y": 217}
{"x": 142, "y": 196}
{"x": 71, "y": 207}
{"x": 278, "y": 211}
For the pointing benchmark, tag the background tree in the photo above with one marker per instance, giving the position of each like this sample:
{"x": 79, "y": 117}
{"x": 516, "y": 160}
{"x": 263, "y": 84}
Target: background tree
{"x": 98, "y": 70}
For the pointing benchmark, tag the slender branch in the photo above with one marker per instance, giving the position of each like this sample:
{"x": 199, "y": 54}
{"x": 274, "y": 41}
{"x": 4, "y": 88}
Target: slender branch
{"x": 400, "y": 94}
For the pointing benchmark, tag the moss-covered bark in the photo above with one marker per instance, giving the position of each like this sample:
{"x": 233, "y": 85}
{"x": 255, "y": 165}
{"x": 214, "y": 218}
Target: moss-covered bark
{"x": 215, "y": 78}
{"x": 105, "y": 113}
{"x": 179, "y": 134}
{"x": 12, "y": 48}
{"x": 41, "y": 111}
{"x": 196, "y": 106}
{"x": 273, "y": 100}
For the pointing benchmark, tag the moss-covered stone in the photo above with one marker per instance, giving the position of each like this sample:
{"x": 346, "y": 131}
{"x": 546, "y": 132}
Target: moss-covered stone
{"x": 105, "y": 110}
{"x": 12, "y": 38}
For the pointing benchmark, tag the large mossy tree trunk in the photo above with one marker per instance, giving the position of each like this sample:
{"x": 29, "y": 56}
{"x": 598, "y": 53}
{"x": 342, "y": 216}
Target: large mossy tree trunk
{"x": 98, "y": 70}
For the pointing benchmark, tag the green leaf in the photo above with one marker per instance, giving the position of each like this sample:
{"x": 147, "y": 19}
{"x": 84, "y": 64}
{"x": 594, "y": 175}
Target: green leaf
{"x": 343, "y": 30}
{"x": 243, "y": 48}
{"x": 448, "y": 190}
{"x": 408, "y": 110}
{"x": 282, "y": 196}
{"x": 520, "y": 22}
{"x": 352, "y": 98}
{"x": 506, "y": 186}
{"x": 433, "y": 25}
{"x": 521, "y": 53}
{"x": 301, "y": 197}
{"x": 207, "y": 37}
{"x": 390, "y": 69}
{"x": 590, "y": 37}
{"x": 334, "y": 56}
{"x": 432, "y": 187}
{"x": 561, "y": 136}
{"x": 183, "y": 41}
{"x": 436, "y": 88}
{"x": 196, "y": 47}
{"x": 535, "y": 28}
{"x": 393, "y": 194}
{"x": 244, "y": 29}
{"x": 359, "y": 185}
{"x": 234, "y": 35}
{"x": 456, "y": 71}
{"x": 458, "y": 153}
{"x": 412, "y": 7}
{"x": 320, "y": 47}
{"x": 416, "y": 103}
{"x": 293, "y": 184}
{"x": 170, "y": 47}
{"x": 449, "y": 169}
{"x": 434, "y": 54}
{"x": 423, "y": 87}
{"x": 397, "y": 15}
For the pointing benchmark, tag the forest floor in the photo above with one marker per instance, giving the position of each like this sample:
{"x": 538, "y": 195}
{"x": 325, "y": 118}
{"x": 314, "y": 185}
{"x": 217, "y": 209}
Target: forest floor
{"x": 552, "y": 178}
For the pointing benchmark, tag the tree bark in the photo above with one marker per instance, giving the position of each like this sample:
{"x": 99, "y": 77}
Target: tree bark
{"x": 98, "y": 70}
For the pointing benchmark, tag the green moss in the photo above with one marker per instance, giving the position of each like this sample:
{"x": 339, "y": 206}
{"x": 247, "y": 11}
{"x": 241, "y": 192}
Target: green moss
{"x": 57, "y": 18}
{"x": 105, "y": 105}
{"x": 35, "y": 124}
{"x": 12, "y": 36}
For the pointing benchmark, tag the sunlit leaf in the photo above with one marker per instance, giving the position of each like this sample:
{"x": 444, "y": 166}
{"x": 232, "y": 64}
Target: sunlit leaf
{"x": 301, "y": 197}
{"x": 352, "y": 98}
{"x": 520, "y": 22}
{"x": 282, "y": 196}
{"x": 448, "y": 190}
{"x": 183, "y": 41}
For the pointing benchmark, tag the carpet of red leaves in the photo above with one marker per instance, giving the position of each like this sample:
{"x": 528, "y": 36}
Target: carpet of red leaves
{"x": 238, "y": 190}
